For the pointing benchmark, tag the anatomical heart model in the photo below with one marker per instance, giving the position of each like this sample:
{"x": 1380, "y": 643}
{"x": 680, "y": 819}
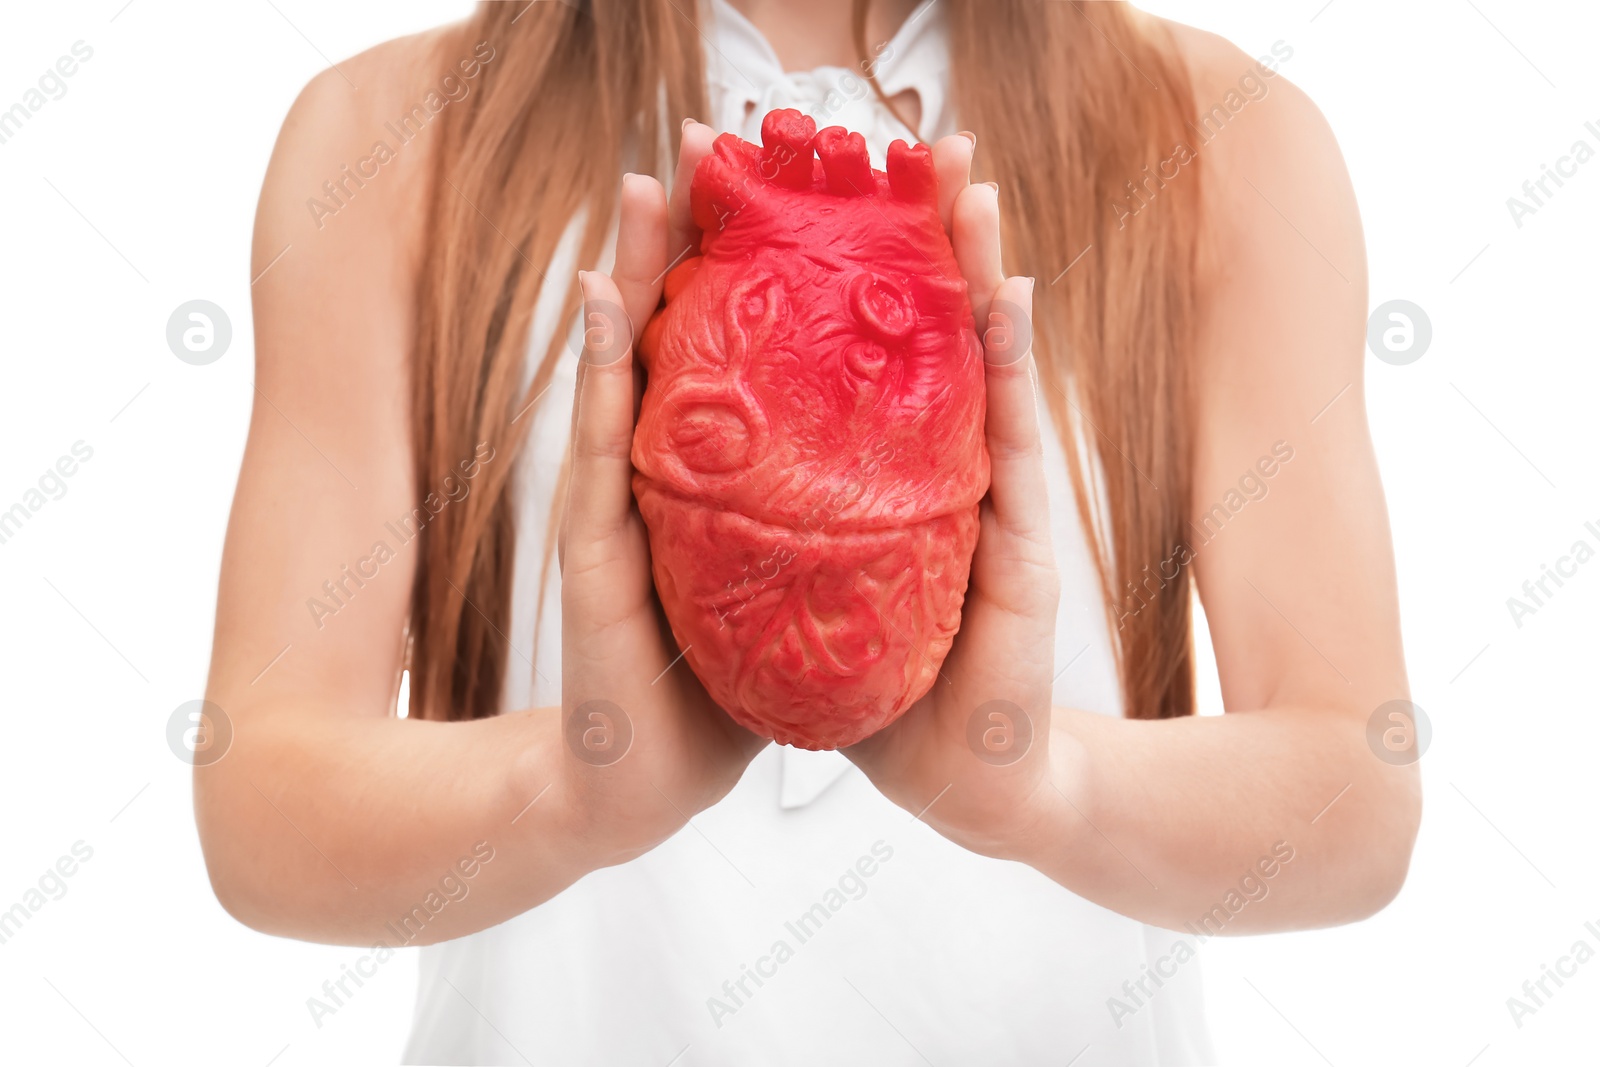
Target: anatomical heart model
{"x": 810, "y": 450}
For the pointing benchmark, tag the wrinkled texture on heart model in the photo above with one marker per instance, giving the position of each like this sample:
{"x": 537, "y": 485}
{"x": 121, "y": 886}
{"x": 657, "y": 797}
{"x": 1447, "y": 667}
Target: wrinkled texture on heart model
{"x": 810, "y": 450}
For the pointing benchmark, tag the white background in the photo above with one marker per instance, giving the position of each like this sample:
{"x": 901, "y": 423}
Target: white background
{"x": 134, "y": 193}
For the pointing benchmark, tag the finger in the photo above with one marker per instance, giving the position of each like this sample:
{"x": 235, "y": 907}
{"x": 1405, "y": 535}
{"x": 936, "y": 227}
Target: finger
{"x": 641, "y": 261}
{"x": 1017, "y": 490}
{"x": 952, "y": 167}
{"x": 975, "y": 234}
{"x": 599, "y": 493}
{"x": 684, "y": 235}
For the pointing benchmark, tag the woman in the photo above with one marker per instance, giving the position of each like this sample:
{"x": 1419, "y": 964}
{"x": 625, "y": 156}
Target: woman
{"x": 1185, "y": 240}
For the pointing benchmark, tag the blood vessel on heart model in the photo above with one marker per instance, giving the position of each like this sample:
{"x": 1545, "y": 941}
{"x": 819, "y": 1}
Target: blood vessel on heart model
{"x": 810, "y": 451}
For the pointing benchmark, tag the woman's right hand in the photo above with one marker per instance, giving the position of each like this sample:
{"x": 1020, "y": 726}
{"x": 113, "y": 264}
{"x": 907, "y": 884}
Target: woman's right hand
{"x": 645, "y": 746}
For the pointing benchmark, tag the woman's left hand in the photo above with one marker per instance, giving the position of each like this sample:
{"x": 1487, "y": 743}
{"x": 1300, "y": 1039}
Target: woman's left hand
{"x": 972, "y": 757}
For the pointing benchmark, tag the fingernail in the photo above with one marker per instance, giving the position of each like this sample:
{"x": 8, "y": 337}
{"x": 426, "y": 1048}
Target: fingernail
{"x": 969, "y": 135}
{"x": 995, "y": 186}
{"x": 1031, "y": 283}
{"x": 686, "y": 123}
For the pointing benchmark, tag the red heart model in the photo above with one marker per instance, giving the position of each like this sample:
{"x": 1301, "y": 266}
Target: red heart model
{"x": 810, "y": 450}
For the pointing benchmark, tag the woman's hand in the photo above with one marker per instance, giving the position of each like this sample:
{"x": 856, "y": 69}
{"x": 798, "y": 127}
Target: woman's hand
{"x": 972, "y": 757}
{"x": 646, "y": 747}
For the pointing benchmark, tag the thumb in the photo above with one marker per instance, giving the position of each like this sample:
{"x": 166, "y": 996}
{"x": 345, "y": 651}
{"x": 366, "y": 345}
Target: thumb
{"x": 1017, "y": 489}
{"x": 599, "y": 490}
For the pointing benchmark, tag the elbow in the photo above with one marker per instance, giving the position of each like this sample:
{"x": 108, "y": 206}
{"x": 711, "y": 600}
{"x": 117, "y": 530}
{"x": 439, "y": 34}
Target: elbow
{"x": 1395, "y": 818}
{"x": 231, "y": 883}
{"x": 233, "y": 893}
{"x": 225, "y": 846}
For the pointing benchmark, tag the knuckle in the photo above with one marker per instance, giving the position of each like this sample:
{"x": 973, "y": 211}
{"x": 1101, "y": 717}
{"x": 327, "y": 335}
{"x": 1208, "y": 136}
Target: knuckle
{"x": 603, "y": 446}
{"x": 1019, "y": 446}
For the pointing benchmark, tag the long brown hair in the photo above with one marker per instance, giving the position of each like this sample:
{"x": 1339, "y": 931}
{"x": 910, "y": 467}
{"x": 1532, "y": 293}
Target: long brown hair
{"x": 1074, "y": 106}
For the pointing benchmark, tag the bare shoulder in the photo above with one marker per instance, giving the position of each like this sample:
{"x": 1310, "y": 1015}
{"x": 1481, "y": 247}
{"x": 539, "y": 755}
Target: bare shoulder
{"x": 1251, "y": 96}
{"x": 1269, "y": 159}
{"x": 356, "y": 148}
{"x": 341, "y": 223}
{"x": 339, "y": 239}
{"x": 1280, "y": 214}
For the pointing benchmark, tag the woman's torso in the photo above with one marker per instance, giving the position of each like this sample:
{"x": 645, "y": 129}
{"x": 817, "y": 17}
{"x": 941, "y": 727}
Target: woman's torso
{"x": 804, "y": 919}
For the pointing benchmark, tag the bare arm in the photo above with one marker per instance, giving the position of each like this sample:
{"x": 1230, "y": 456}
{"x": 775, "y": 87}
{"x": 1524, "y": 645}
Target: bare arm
{"x": 1298, "y": 585}
{"x": 1279, "y": 804}
{"x": 329, "y": 818}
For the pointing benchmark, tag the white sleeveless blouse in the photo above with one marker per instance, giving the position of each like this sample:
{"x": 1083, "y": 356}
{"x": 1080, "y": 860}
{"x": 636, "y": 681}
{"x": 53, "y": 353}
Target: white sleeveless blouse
{"x": 804, "y": 920}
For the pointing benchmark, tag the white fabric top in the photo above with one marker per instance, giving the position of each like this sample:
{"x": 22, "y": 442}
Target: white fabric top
{"x": 805, "y": 919}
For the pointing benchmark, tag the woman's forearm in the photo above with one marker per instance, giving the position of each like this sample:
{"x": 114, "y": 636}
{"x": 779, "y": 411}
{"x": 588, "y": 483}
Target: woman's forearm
{"x": 1242, "y": 823}
{"x": 349, "y": 830}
